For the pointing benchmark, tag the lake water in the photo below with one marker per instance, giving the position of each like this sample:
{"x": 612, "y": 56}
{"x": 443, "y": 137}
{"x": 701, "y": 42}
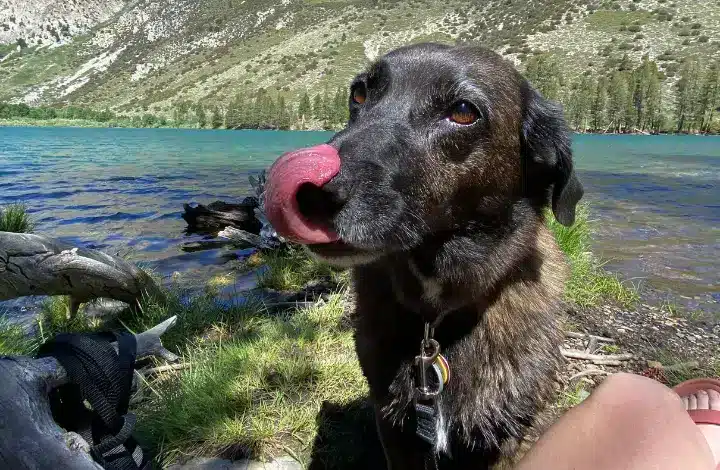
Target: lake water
{"x": 656, "y": 198}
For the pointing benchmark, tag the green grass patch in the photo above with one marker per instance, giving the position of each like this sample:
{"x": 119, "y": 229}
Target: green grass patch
{"x": 257, "y": 388}
{"x": 292, "y": 269}
{"x": 589, "y": 284}
{"x": 14, "y": 218}
{"x": 571, "y": 397}
{"x": 13, "y": 340}
{"x": 678, "y": 368}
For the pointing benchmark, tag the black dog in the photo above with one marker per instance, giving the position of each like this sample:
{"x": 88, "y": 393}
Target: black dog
{"x": 436, "y": 194}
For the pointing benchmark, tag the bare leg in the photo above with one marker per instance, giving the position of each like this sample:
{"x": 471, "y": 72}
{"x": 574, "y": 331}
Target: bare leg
{"x": 628, "y": 423}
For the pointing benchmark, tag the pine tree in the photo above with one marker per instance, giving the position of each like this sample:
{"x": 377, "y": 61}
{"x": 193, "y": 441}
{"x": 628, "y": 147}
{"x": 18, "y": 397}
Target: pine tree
{"x": 270, "y": 113}
{"x": 709, "y": 99}
{"x": 543, "y": 71}
{"x": 646, "y": 93}
{"x": 686, "y": 96}
{"x": 327, "y": 115}
{"x": 318, "y": 107}
{"x": 180, "y": 112}
{"x": 580, "y": 103}
{"x": 283, "y": 119}
{"x": 618, "y": 97}
{"x": 340, "y": 106}
{"x": 304, "y": 108}
{"x": 200, "y": 115}
{"x": 216, "y": 121}
{"x": 598, "y": 110}
{"x": 233, "y": 117}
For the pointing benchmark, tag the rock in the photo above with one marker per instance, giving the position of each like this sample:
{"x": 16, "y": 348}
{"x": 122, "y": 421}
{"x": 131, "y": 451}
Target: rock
{"x": 204, "y": 463}
{"x": 283, "y": 463}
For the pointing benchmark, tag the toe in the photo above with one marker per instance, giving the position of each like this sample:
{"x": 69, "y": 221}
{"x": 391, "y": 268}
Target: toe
{"x": 692, "y": 402}
{"x": 714, "y": 399}
{"x": 703, "y": 400}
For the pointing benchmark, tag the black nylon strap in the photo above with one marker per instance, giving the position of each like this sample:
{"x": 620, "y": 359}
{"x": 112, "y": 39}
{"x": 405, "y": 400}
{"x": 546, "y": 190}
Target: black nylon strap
{"x": 104, "y": 378}
{"x": 425, "y": 429}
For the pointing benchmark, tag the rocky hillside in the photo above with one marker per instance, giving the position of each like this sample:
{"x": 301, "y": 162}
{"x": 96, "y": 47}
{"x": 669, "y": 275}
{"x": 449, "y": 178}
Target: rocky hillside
{"x": 50, "y": 23}
{"x": 145, "y": 55}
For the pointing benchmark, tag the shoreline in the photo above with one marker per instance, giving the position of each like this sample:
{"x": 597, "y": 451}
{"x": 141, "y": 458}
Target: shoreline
{"x": 127, "y": 124}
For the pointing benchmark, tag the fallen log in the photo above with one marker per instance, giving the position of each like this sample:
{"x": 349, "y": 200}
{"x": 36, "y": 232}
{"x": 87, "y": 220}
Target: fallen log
{"x": 29, "y": 437}
{"x": 599, "y": 359}
{"x": 218, "y": 215}
{"x": 33, "y": 264}
{"x": 600, "y": 339}
{"x": 247, "y": 239}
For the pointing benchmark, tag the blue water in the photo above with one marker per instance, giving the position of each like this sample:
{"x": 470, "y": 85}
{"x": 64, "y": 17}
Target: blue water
{"x": 656, "y": 198}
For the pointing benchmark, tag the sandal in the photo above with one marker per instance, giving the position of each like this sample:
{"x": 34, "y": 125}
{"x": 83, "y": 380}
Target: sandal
{"x": 700, "y": 416}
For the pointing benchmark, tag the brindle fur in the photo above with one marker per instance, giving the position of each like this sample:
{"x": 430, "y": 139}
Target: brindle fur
{"x": 447, "y": 223}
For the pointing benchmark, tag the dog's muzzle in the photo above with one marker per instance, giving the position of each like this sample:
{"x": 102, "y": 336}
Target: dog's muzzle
{"x": 295, "y": 203}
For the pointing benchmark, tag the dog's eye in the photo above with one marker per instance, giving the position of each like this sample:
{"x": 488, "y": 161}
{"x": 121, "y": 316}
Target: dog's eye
{"x": 464, "y": 113}
{"x": 359, "y": 94}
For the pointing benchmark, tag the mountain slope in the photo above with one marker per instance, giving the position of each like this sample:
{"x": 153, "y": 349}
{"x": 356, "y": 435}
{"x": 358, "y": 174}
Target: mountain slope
{"x": 149, "y": 54}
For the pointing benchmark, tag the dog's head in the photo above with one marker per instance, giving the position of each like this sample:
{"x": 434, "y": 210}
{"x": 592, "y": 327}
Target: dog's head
{"x": 440, "y": 139}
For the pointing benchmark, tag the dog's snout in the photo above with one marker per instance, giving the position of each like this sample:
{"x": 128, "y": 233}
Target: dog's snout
{"x": 319, "y": 203}
{"x": 296, "y": 203}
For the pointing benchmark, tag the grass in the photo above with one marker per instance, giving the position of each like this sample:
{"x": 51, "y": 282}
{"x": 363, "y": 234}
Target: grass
{"x": 14, "y": 218}
{"x": 589, "y": 284}
{"x": 679, "y": 369}
{"x": 571, "y": 397}
{"x": 13, "y": 340}
{"x": 257, "y": 388}
{"x": 292, "y": 269}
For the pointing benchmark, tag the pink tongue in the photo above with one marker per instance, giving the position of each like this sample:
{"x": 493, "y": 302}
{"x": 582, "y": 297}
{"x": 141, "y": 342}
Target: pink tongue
{"x": 315, "y": 165}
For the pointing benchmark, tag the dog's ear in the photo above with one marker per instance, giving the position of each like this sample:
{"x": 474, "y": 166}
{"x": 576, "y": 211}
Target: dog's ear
{"x": 546, "y": 148}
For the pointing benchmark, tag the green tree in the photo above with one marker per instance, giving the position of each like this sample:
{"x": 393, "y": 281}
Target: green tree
{"x": 200, "y": 115}
{"x": 283, "y": 117}
{"x": 180, "y": 112}
{"x": 269, "y": 112}
{"x": 646, "y": 96}
{"x": 216, "y": 121}
{"x": 233, "y": 113}
{"x": 709, "y": 97}
{"x": 543, "y": 71}
{"x": 580, "y": 103}
{"x": 304, "y": 108}
{"x": 686, "y": 95}
{"x": 340, "y": 113}
{"x": 318, "y": 107}
{"x": 328, "y": 110}
{"x": 618, "y": 99}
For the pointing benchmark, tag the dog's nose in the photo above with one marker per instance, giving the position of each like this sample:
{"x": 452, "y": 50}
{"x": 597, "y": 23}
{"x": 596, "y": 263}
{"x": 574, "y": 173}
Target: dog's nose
{"x": 296, "y": 202}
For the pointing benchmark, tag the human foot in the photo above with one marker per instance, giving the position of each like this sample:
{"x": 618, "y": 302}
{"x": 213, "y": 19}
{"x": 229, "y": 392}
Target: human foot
{"x": 706, "y": 400}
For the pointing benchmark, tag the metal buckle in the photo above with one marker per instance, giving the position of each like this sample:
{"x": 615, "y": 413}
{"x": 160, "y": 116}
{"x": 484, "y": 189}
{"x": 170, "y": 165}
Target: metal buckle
{"x": 429, "y": 351}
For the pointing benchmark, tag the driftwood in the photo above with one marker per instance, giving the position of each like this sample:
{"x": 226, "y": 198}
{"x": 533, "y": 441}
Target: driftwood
{"x": 218, "y": 215}
{"x": 247, "y": 239}
{"x": 599, "y": 359}
{"x": 38, "y": 265}
{"x": 587, "y": 373}
{"x": 29, "y": 438}
{"x": 600, "y": 339}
